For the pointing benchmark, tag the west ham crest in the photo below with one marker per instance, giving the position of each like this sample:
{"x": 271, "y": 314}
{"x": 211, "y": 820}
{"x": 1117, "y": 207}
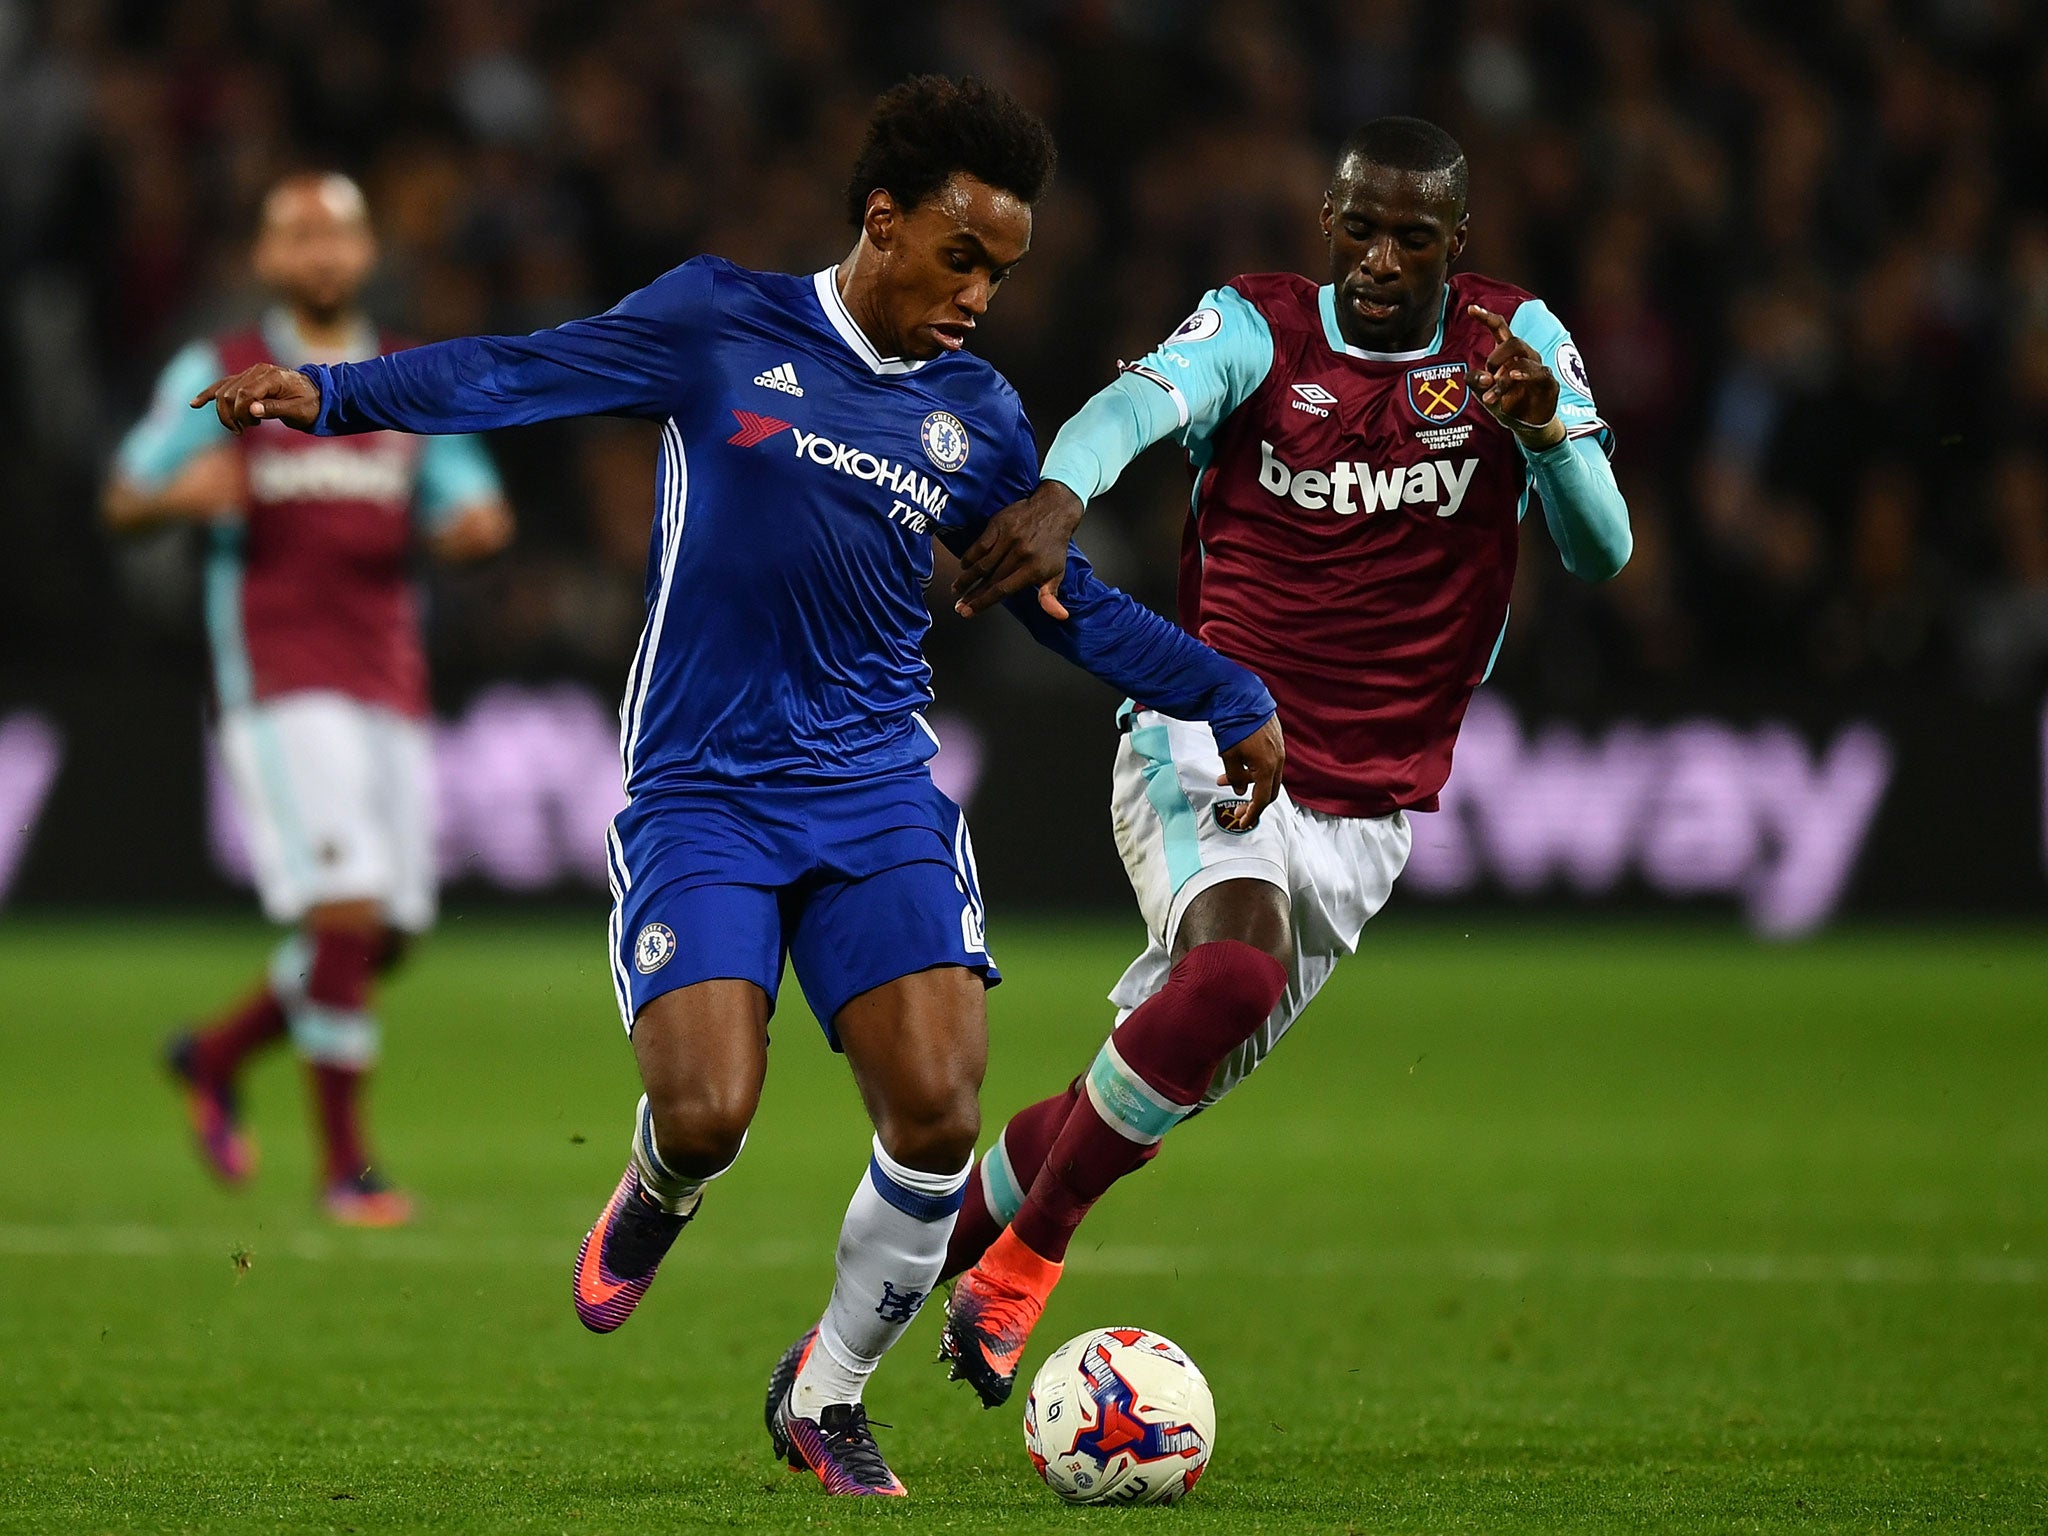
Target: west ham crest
{"x": 1437, "y": 393}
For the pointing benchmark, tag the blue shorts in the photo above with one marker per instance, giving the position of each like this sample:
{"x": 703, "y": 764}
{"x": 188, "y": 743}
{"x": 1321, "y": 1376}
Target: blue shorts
{"x": 857, "y": 884}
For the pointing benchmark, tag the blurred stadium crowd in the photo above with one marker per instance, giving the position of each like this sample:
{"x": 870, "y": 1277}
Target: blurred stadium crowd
{"x": 1804, "y": 249}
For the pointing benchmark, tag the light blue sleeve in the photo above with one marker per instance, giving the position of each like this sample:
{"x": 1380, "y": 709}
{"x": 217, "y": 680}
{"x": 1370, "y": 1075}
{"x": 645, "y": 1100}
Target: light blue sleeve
{"x": 1582, "y": 506}
{"x": 173, "y": 434}
{"x": 455, "y": 472}
{"x": 1534, "y": 323}
{"x": 1206, "y": 369}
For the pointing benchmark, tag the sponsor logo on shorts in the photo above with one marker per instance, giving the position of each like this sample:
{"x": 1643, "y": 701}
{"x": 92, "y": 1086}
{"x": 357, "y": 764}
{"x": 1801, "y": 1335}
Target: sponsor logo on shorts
{"x": 651, "y": 951}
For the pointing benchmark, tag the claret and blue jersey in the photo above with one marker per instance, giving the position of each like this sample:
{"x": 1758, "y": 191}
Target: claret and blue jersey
{"x": 1354, "y": 523}
{"x": 802, "y": 476}
{"x": 311, "y": 587}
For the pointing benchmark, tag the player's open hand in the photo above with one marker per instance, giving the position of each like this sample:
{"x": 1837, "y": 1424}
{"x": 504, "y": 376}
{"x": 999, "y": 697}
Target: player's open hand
{"x": 263, "y": 393}
{"x": 1253, "y": 766}
{"x": 1516, "y": 387}
{"x": 1024, "y": 545}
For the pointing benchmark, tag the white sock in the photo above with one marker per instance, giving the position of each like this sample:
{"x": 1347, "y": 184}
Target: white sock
{"x": 676, "y": 1193}
{"x": 890, "y": 1250}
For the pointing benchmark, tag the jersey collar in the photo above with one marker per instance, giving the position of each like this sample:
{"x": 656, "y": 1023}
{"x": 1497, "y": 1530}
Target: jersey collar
{"x": 827, "y": 285}
{"x": 281, "y": 336}
{"x": 1326, "y": 301}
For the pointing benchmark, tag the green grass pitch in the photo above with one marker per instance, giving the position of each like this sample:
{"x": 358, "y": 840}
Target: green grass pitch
{"x": 1561, "y": 1228}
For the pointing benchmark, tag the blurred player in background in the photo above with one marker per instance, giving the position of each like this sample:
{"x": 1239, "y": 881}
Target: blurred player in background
{"x": 320, "y": 678}
{"x": 1352, "y": 539}
{"x": 817, "y": 433}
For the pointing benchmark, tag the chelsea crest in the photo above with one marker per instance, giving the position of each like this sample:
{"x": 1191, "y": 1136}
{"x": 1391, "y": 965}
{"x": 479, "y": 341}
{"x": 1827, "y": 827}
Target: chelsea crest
{"x": 657, "y": 941}
{"x": 945, "y": 441}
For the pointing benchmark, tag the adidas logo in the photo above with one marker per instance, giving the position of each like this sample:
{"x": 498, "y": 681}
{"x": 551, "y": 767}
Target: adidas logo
{"x": 783, "y": 377}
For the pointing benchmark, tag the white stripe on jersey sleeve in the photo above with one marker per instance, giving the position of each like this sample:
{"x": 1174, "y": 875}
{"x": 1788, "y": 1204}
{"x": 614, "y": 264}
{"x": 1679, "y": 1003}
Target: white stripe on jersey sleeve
{"x": 675, "y": 483}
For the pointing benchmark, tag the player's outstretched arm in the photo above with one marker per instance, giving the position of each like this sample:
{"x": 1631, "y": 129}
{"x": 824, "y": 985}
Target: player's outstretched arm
{"x": 624, "y": 362}
{"x": 1111, "y": 635}
{"x": 1117, "y": 638}
{"x": 263, "y": 393}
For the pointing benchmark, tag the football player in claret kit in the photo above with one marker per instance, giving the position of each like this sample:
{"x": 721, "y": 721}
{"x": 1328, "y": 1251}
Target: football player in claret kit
{"x": 1363, "y": 453}
{"x": 320, "y": 680}
{"x": 817, "y": 432}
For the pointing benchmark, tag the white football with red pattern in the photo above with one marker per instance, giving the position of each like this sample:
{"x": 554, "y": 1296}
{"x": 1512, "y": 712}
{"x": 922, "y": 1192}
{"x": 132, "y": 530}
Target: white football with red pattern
{"x": 1119, "y": 1416}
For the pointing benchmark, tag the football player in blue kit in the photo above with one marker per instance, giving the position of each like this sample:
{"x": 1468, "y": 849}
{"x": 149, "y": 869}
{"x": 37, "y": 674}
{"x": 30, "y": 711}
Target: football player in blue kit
{"x": 816, "y": 433}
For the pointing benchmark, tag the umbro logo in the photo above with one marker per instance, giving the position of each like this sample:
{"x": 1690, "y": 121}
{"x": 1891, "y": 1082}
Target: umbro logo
{"x": 783, "y": 377}
{"x": 1313, "y": 398}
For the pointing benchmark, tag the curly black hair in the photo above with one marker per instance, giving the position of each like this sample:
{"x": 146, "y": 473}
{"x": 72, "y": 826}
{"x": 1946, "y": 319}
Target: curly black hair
{"x": 929, "y": 127}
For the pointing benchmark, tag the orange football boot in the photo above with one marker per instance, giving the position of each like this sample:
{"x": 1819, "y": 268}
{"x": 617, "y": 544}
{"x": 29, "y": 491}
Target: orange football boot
{"x": 990, "y": 1315}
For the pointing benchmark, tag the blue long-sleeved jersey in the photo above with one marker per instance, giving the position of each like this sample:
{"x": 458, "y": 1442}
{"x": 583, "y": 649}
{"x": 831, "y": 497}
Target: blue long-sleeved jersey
{"x": 801, "y": 477}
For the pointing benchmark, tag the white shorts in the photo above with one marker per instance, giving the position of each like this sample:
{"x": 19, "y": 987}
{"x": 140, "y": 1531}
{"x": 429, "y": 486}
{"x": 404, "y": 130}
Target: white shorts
{"x": 337, "y": 798}
{"x": 1337, "y": 871}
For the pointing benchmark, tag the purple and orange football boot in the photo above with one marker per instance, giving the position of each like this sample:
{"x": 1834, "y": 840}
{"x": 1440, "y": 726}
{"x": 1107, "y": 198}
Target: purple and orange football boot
{"x": 365, "y": 1200}
{"x": 838, "y": 1445}
{"x": 619, "y": 1256}
{"x": 990, "y": 1314}
{"x": 216, "y": 1113}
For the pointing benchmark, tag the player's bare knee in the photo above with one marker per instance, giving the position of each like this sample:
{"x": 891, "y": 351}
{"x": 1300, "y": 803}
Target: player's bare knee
{"x": 933, "y": 1134}
{"x": 1249, "y": 912}
{"x": 699, "y": 1126}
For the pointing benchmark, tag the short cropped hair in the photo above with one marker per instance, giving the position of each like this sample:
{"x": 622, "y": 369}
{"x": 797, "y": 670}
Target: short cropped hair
{"x": 929, "y": 127}
{"x": 1409, "y": 144}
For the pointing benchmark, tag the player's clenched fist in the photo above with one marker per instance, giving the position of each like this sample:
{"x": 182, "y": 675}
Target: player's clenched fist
{"x": 1516, "y": 387}
{"x": 263, "y": 393}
